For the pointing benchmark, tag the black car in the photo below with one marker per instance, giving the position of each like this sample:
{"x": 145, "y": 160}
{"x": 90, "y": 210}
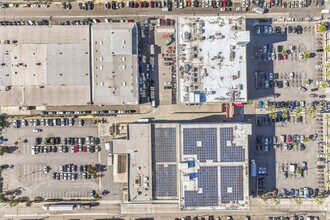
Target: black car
{"x": 299, "y": 29}
{"x": 196, "y": 3}
{"x": 313, "y": 136}
{"x": 107, "y": 5}
{"x": 90, "y": 6}
{"x": 38, "y": 140}
{"x": 113, "y": 5}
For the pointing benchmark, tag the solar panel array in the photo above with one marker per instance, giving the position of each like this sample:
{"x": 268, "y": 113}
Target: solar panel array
{"x": 165, "y": 144}
{"x": 231, "y": 177}
{"x": 230, "y": 153}
{"x": 165, "y": 181}
{"x": 208, "y": 181}
{"x": 207, "y": 137}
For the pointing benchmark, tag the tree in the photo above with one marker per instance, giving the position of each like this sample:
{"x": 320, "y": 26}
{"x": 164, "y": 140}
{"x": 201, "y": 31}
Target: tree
{"x": 323, "y": 85}
{"x": 28, "y": 204}
{"x": 327, "y": 48}
{"x": 311, "y": 112}
{"x": 272, "y": 114}
{"x": 297, "y": 201}
{"x": 327, "y": 65}
{"x": 250, "y": 102}
{"x": 283, "y": 52}
{"x": 323, "y": 27}
{"x": 3, "y": 198}
{"x": 13, "y": 202}
{"x": 294, "y": 143}
{"x": 276, "y": 201}
{"x": 307, "y": 55}
{"x": 298, "y": 112}
{"x": 327, "y": 75}
{"x": 91, "y": 170}
{"x": 2, "y": 151}
{"x": 285, "y": 112}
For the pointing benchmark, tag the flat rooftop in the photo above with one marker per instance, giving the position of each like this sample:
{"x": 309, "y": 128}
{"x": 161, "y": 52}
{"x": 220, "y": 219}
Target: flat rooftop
{"x": 213, "y": 166}
{"x": 115, "y": 63}
{"x": 197, "y": 165}
{"x": 53, "y": 65}
{"x": 44, "y": 65}
{"x": 137, "y": 147}
{"x": 212, "y": 59}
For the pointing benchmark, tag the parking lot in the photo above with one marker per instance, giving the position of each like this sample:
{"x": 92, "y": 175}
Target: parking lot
{"x": 286, "y": 67}
{"x": 56, "y": 166}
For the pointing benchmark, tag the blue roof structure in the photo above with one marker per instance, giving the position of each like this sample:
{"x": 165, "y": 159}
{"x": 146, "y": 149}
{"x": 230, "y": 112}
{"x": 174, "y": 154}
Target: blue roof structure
{"x": 230, "y": 153}
{"x": 231, "y": 183}
{"x": 166, "y": 181}
{"x": 193, "y": 175}
{"x": 208, "y": 181}
{"x": 191, "y": 163}
{"x": 207, "y": 137}
{"x": 165, "y": 144}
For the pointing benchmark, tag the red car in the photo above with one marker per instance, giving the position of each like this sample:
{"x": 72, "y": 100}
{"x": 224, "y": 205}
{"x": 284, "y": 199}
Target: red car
{"x": 152, "y": 4}
{"x": 76, "y": 149}
{"x": 289, "y": 138}
{"x": 140, "y": 4}
{"x": 130, "y": 20}
{"x": 84, "y": 149}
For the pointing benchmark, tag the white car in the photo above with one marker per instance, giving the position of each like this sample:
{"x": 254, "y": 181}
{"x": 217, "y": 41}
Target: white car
{"x": 24, "y": 123}
{"x": 273, "y": 56}
{"x": 37, "y": 130}
{"x": 291, "y": 75}
{"x": 81, "y": 122}
{"x": 270, "y": 76}
{"x": 267, "y": 84}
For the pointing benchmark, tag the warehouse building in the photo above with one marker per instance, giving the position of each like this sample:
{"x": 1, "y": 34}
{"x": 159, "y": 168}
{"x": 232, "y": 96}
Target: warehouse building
{"x": 212, "y": 59}
{"x": 196, "y": 165}
{"x": 44, "y": 66}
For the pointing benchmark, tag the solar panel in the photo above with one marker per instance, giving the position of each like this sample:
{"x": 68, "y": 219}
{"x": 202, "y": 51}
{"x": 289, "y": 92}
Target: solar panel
{"x": 165, "y": 144}
{"x": 208, "y": 181}
{"x": 166, "y": 181}
{"x": 201, "y": 142}
{"x": 231, "y": 153}
{"x": 231, "y": 182}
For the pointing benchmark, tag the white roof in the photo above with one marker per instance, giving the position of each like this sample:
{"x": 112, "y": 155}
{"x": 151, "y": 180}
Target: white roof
{"x": 212, "y": 59}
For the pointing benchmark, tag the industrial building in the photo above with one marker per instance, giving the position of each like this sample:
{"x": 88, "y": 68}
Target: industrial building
{"x": 115, "y": 64}
{"x": 196, "y": 165}
{"x": 212, "y": 59}
{"x": 59, "y": 65}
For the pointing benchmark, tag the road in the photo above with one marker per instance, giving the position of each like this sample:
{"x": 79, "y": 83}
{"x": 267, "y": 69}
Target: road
{"x": 115, "y": 211}
{"x": 55, "y": 12}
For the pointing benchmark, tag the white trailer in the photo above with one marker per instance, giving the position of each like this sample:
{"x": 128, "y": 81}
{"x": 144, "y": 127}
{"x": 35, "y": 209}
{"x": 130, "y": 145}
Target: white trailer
{"x": 59, "y": 207}
{"x": 65, "y": 207}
